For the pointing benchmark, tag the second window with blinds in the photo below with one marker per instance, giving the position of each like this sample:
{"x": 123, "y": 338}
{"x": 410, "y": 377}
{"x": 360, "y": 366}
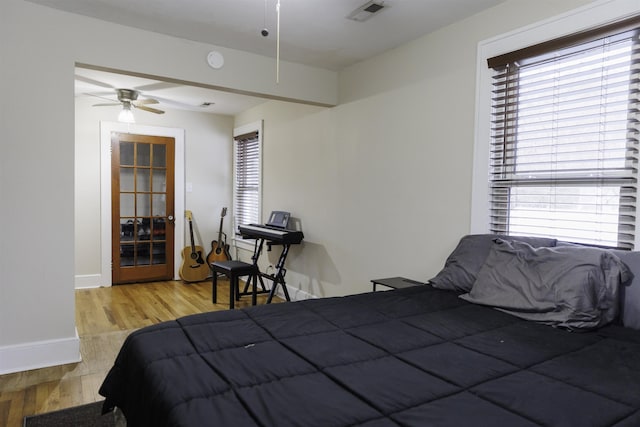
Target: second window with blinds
{"x": 564, "y": 144}
{"x": 247, "y": 174}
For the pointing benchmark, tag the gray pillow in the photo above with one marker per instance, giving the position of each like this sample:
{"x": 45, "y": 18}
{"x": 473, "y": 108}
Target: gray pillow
{"x": 466, "y": 260}
{"x": 630, "y": 294}
{"x": 575, "y": 287}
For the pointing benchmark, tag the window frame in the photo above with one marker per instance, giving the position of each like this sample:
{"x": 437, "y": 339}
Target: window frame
{"x": 252, "y": 127}
{"x": 582, "y": 19}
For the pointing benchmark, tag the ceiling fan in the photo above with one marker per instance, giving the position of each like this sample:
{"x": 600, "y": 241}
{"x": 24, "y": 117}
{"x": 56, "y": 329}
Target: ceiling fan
{"x": 105, "y": 85}
{"x": 128, "y": 98}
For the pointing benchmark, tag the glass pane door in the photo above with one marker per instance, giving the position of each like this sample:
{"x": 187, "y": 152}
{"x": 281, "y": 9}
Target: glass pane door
{"x": 142, "y": 190}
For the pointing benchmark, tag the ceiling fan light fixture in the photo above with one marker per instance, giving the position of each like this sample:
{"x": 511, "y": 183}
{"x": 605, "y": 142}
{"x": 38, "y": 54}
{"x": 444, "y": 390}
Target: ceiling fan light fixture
{"x": 366, "y": 11}
{"x": 126, "y": 115}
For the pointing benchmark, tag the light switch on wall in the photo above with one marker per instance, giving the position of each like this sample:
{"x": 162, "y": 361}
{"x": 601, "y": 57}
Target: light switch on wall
{"x": 189, "y": 187}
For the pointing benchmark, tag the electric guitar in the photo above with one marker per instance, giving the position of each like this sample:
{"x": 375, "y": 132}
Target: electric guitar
{"x": 219, "y": 248}
{"x": 193, "y": 267}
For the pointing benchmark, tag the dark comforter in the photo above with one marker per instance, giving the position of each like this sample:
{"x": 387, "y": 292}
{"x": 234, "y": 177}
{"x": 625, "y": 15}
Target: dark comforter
{"x": 412, "y": 357}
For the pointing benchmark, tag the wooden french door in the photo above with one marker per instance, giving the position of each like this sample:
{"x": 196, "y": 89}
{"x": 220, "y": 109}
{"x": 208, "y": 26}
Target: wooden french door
{"x": 142, "y": 207}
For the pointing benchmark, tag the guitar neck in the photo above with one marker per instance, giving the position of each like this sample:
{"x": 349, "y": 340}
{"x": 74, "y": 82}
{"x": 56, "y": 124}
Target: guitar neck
{"x": 220, "y": 231}
{"x": 193, "y": 245}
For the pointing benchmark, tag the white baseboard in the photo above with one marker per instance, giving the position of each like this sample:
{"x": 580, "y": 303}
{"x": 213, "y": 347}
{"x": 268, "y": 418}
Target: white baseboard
{"x": 39, "y": 354}
{"x": 295, "y": 294}
{"x": 83, "y": 281}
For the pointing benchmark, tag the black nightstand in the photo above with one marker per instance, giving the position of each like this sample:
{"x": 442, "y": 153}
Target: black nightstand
{"x": 395, "y": 283}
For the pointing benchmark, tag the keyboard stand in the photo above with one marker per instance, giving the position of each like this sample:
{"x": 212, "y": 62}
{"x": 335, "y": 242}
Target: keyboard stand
{"x": 278, "y": 277}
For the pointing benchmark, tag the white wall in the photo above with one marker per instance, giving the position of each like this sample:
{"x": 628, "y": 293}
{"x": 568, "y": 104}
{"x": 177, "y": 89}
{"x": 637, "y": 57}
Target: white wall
{"x": 38, "y": 51}
{"x": 382, "y": 182}
{"x": 208, "y": 144}
{"x": 37, "y": 299}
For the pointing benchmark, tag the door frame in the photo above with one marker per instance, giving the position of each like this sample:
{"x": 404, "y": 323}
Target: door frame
{"x": 106, "y": 128}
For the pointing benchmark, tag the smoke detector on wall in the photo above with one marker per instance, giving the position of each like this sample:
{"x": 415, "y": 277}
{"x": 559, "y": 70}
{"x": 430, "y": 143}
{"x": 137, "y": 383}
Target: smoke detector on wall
{"x": 366, "y": 11}
{"x": 215, "y": 60}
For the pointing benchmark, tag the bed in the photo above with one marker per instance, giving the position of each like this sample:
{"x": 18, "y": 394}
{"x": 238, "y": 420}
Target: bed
{"x": 447, "y": 353}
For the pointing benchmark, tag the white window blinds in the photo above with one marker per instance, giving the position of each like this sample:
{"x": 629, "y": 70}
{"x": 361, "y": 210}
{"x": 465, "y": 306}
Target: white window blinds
{"x": 247, "y": 179}
{"x": 564, "y": 143}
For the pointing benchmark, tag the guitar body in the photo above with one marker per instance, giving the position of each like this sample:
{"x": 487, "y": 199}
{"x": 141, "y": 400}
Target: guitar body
{"x": 219, "y": 248}
{"x": 193, "y": 267}
{"x": 219, "y": 252}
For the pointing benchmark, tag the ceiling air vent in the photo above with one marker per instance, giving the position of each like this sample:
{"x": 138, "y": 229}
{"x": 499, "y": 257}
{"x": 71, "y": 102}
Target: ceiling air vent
{"x": 366, "y": 11}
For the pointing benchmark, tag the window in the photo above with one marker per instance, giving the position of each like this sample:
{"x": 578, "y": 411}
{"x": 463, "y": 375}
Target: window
{"x": 247, "y": 177}
{"x": 564, "y": 138}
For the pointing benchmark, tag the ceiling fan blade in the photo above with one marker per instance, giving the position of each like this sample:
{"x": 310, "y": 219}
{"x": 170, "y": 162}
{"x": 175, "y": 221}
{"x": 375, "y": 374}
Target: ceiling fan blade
{"x": 146, "y": 101}
{"x": 149, "y": 109}
{"x": 176, "y": 104}
{"x": 102, "y": 97}
{"x": 110, "y": 104}
{"x": 156, "y": 86}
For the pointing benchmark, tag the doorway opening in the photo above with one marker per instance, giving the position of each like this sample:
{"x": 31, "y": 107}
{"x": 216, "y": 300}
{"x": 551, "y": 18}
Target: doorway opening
{"x": 140, "y": 134}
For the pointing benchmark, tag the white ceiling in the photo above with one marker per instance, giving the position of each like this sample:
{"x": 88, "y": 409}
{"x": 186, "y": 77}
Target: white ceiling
{"x": 313, "y": 32}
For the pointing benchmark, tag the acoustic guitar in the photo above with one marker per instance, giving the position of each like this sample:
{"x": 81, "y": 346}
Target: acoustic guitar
{"x": 219, "y": 248}
{"x": 193, "y": 267}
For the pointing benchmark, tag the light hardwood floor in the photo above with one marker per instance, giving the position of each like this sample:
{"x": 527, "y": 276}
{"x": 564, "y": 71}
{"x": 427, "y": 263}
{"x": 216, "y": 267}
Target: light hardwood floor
{"x": 104, "y": 317}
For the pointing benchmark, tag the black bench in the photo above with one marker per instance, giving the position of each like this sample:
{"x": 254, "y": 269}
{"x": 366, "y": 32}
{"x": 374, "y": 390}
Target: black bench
{"x": 234, "y": 270}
